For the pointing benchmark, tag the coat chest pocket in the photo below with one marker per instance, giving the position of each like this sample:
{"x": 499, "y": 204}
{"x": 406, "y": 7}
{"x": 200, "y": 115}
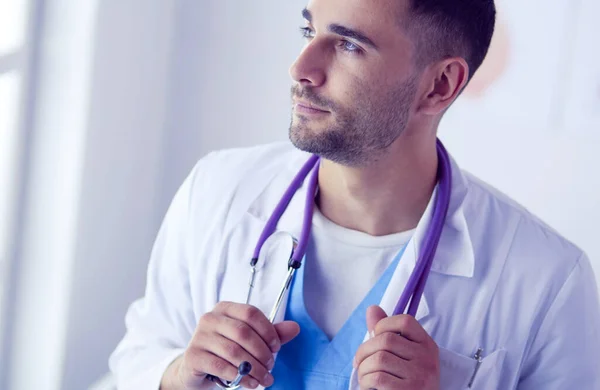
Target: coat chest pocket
{"x": 456, "y": 371}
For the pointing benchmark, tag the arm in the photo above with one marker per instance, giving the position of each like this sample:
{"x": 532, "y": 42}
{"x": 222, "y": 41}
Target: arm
{"x": 565, "y": 353}
{"x": 166, "y": 345}
{"x": 160, "y": 325}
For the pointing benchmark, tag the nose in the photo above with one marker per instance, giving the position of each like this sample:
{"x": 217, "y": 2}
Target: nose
{"x": 309, "y": 68}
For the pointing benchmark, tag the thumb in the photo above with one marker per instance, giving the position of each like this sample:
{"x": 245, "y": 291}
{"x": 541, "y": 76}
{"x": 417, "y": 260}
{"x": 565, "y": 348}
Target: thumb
{"x": 287, "y": 330}
{"x": 374, "y": 315}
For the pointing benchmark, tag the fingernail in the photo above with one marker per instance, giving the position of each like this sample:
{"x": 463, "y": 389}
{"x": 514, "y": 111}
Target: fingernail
{"x": 253, "y": 383}
{"x": 371, "y": 334}
{"x": 274, "y": 346}
{"x": 270, "y": 364}
{"x": 268, "y": 380}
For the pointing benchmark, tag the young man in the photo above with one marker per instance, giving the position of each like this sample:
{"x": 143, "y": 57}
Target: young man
{"x": 509, "y": 304}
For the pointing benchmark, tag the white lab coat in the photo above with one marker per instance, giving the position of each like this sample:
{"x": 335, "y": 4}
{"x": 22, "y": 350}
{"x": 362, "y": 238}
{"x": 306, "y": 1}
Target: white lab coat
{"x": 501, "y": 279}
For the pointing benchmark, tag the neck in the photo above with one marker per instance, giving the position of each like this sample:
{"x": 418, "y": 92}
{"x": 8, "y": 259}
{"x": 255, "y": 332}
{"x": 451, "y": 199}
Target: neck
{"x": 388, "y": 196}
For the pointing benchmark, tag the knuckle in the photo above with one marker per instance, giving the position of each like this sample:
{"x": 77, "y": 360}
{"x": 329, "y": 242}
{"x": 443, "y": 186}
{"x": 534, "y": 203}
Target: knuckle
{"x": 216, "y": 366}
{"x": 207, "y": 319}
{"x": 404, "y": 321}
{"x": 379, "y": 379}
{"x": 196, "y": 345}
{"x": 242, "y": 331}
{"x": 381, "y": 358}
{"x": 362, "y": 370}
{"x": 199, "y": 341}
{"x": 388, "y": 338}
{"x": 223, "y": 306}
{"x": 251, "y": 314}
{"x": 361, "y": 350}
{"x": 234, "y": 351}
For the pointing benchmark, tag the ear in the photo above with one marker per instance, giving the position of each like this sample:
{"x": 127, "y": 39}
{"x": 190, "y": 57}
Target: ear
{"x": 445, "y": 80}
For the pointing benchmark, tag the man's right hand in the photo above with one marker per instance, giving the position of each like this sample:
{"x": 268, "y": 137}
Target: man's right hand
{"x": 224, "y": 338}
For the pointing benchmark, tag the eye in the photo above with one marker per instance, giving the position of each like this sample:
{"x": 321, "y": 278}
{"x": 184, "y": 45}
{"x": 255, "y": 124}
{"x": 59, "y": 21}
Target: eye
{"x": 307, "y": 32}
{"x": 350, "y": 47}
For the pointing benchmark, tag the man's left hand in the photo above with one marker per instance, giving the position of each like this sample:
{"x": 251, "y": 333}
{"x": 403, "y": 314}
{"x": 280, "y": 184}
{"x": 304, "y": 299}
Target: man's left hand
{"x": 400, "y": 355}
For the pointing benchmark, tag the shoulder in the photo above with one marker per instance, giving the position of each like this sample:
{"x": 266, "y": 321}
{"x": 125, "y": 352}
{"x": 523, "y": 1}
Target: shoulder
{"x": 227, "y": 166}
{"x": 225, "y": 182}
{"x": 223, "y": 170}
{"x": 244, "y": 158}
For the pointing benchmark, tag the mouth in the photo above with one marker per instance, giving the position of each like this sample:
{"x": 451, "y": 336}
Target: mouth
{"x": 308, "y": 108}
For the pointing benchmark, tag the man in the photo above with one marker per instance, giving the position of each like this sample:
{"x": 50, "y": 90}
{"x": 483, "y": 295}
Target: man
{"x": 509, "y": 304}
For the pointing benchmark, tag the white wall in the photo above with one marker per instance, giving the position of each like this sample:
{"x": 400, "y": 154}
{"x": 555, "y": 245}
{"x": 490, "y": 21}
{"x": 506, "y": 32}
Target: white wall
{"x": 231, "y": 82}
{"x": 536, "y": 131}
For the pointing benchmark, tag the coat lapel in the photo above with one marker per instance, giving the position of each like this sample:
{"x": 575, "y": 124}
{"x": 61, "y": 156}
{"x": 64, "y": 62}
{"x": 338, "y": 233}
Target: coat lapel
{"x": 454, "y": 255}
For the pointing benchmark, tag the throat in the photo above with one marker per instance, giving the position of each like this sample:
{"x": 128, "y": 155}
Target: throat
{"x": 372, "y": 218}
{"x": 377, "y": 201}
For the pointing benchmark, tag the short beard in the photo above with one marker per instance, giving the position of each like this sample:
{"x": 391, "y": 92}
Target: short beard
{"x": 359, "y": 135}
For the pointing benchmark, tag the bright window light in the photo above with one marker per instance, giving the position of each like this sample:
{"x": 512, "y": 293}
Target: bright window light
{"x": 9, "y": 114}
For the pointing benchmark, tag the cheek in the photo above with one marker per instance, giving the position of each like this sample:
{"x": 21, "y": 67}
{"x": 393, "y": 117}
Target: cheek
{"x": 351, "y": 89}
{"x": 354, "y": 84}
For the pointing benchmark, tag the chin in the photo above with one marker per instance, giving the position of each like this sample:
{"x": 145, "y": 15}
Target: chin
{"x": 302, "y": 130}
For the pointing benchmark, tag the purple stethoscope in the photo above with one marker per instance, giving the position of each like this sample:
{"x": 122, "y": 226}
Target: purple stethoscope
{"x": 411, "y": 296}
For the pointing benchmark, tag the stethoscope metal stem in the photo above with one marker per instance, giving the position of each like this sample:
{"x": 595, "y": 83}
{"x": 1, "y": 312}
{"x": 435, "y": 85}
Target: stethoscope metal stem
{"x": 251, "y": 283}
{"x": 282, "y": 291}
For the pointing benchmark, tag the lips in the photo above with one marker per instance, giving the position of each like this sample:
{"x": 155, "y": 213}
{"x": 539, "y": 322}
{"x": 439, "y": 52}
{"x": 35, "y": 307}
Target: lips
{"x": 309, "y": 106}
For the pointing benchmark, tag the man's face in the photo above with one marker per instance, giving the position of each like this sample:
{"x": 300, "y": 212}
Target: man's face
{"x": 357, "y": 70}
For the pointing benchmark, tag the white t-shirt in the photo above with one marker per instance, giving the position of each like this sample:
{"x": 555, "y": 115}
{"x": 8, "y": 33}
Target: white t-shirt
{"x": 342, "y": 265}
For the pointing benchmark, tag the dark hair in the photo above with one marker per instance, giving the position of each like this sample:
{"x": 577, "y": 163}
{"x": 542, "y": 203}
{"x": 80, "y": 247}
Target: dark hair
{"x": 448, "y": 28}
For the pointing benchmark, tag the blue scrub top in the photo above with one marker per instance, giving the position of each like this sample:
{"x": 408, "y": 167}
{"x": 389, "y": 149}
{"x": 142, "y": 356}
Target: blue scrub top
{"x": 311, "y": 360}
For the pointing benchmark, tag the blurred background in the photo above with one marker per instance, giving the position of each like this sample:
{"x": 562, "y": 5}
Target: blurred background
{"x": 106, "y": 105}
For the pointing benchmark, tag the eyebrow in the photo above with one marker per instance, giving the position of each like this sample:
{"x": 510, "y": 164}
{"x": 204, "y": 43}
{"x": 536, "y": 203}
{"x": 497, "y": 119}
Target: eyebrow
{"x": 343, "y": 31}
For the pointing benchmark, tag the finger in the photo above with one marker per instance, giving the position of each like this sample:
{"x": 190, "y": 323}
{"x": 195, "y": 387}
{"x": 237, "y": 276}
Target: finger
{"x": 404, "y": 324}
{"x": 287, "y": 331}
{"x": 205, "y": 362}
{"x": 374, "y": 315}
{"x": 235, "y": 355}
{"x": 253, "y": 317}
{"x": 242, "y": 334}
{"x": 380, "y": 381}
{"x": 384, "y": 361}
{"x": 390, "y": 342}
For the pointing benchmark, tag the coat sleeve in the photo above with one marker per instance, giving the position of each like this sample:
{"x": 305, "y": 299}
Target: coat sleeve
{"x": 161, "y": 324}
{"x": 565, "y": 353}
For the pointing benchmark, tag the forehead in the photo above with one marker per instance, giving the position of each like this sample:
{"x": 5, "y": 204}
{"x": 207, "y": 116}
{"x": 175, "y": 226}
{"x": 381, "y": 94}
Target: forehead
{"x": 379, "y": 19}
